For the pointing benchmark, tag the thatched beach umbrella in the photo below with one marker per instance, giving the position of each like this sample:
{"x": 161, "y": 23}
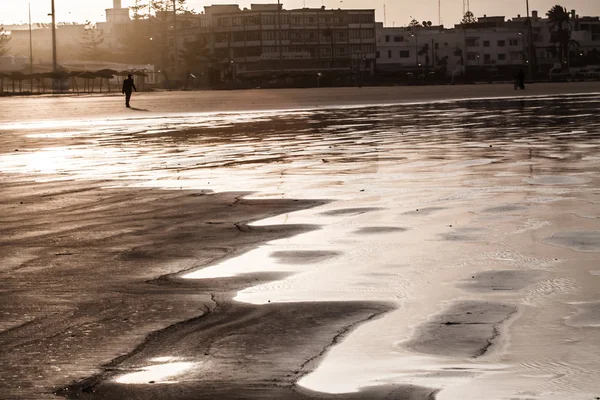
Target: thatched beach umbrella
{"x": 2, "y": 76}
{"x": 88, "y": 76}
{"x": 73, "y": 75}
{"x": 106, "y": 74}
{"x": 140, "y": 74}
{"x": 18, "y": 76}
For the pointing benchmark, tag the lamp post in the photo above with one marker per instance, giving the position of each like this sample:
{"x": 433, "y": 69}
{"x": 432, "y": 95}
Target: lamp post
{"x": 54, "y": 63}
{"x": 176, "y": 58}
{"x": 530, "y": 47}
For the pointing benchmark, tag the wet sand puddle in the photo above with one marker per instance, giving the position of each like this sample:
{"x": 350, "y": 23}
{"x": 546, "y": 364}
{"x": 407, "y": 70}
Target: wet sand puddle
{"x": 477, "y": 219}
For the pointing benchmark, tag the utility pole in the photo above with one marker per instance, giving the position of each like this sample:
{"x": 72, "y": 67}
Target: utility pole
{"x": 384, "y": 16}
{"x": 54, "y": 63}
{"x": 30, "y": 43}
{"x": 30, "y": 53}
{"x": 176, "y": 58}
{"x": 531, "y": 53}
{"x": 279, "y": 36}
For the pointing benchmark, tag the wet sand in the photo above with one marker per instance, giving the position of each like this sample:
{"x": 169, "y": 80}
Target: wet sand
{"x": 432, "y": 251}
{"x": 86, "y": 107}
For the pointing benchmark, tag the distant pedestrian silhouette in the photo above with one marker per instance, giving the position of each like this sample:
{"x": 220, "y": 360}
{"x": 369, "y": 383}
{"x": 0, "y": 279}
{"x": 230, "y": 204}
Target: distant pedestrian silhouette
{"x": 520, "y": 80}
{"x": 128, "y": 88}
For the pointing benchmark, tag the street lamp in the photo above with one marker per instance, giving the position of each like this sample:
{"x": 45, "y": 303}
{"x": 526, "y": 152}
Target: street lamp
{"x": 54, "y": 62}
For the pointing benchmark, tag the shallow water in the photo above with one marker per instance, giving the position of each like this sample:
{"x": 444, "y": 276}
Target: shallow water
{"x": 425, "y": 198}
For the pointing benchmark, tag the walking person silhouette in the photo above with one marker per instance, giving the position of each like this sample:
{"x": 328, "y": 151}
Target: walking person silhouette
{"x": 128, "y": 88}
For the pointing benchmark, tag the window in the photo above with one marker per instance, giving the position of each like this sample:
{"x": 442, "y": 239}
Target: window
{"x": 513, "y": 42}
{"x": 389, "y": 54}
{"x": 296, "y": 20}
{"x": 366, "y": 18}
{"x": 311, "y": 36}
{"x": 368, "y": 48}
{"x": 296, "y": 35}
{"x": 339, "y": 20}
{"x": 404, "y": 53}
{"x": 268, "y": 20}
{"x": 252, "y": 20}
{"x": 398, "y": 38}
{"x": 340, "y": 36}
{"x": 436, "y": 46}
{"x": 387, "y": 38}
{"x": 223, "y": 22}
{"x": 354, "y": 33}
{"x": 341, "y": 50}
{"x": 501, "y": 43}
{"x": 268, "y": 35}
{"x": 237, "y": 21}
{"x": 269, "y": 49}
{"x": 486, "y": 43}
{"x": 445, "y": 44}
{"x": 472, "y": 42}
{"x": 354, "y": 19}
{"x": 472, "y": 56}
{"x": 501, "y": 57}
{"x": 325, "y": 51}
{"x": 487, "y": 58}
{"x": 310, "y": 20}
{"x": 368, "y": 34}
{"x": 239, "y": 52}
{"x": 324, "y": 20}
{"x": 253, "y": 36}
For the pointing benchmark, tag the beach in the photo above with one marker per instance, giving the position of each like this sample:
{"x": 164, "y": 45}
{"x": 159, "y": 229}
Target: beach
{"x": 415, "y": 243}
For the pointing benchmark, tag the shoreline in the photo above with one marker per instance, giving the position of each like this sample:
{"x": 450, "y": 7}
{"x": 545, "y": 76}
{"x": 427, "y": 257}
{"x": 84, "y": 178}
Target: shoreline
{"x": 168, "y": 104}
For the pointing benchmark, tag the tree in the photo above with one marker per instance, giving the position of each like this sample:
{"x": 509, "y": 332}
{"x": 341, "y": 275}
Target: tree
{"x": 161, "y": 21}
{"x": 414, "y": 22}
{"x": 443, "y": 64}
{"x": 198, "y": 58}
{"x": 92, "y": 39}
{"x": 140, "y": 10}
{"x": 560, "y": 32}
{"x": 424, "y": 51}
{"x": 4, "y": 39}
{"x": 157, "y": 6}
{"x": 468, "y": 18}
{"x": 459, "y": 53}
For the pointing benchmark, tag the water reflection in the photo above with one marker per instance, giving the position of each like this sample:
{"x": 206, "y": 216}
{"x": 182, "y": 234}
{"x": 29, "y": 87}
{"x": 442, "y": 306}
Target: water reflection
{"x": 436, "y": 192}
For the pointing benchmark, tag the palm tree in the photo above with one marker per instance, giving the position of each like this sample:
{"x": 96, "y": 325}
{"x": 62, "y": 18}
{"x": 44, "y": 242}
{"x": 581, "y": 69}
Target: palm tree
{"x": 560, "y": 31}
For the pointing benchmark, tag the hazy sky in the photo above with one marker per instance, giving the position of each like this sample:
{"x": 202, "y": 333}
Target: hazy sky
{"x": 398, "y": 11}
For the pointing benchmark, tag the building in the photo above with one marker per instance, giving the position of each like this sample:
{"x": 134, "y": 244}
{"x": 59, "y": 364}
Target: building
{"x": 68, "y": 39}
{"x": 493, "y": 46}
{"x": 116, "y": 28}
{"x": 413, "y": 49}
{"x": 268, "y": 40}
{"x": 10, "y": 63}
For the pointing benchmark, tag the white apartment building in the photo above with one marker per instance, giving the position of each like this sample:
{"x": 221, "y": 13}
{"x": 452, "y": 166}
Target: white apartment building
{"x": 492, "y": 44}
{"x": 415, "y": 48}
{"x": 452, "y": 49}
